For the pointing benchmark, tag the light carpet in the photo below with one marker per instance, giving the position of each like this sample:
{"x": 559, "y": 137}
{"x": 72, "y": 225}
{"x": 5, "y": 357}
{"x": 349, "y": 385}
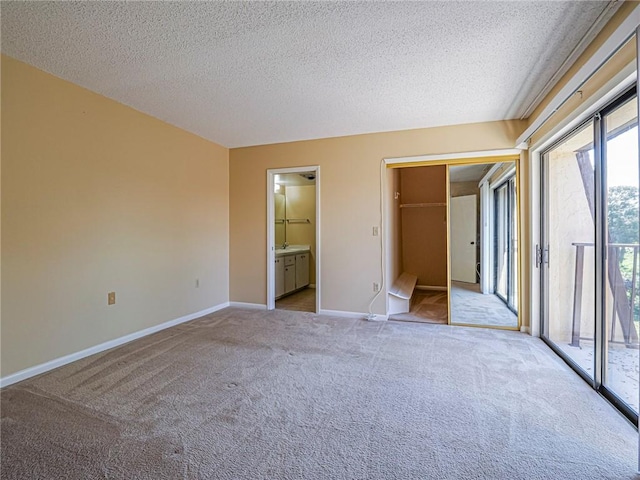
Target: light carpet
{"x": 248, "y": 394}
{"x": 469, "y": 306}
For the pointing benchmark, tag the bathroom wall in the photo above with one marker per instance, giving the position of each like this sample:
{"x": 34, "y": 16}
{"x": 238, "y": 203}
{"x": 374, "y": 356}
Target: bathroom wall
{"x": 280, "y": 227}
{"x": 301, "y": 204}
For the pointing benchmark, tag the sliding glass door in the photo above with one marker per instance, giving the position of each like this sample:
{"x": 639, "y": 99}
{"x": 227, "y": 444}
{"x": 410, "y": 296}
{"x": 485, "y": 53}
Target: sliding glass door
{"x": 589, "y": 255}
{"x": 620, "y": 178}
{"x": 506, "y": 243}
{"x": 568, "y": 255}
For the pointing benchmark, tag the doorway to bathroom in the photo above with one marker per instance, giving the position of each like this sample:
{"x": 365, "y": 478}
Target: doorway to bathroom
{"x": 293, "y": 199}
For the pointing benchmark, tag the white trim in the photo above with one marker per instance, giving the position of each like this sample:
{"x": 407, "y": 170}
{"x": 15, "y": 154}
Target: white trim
{"x": 453, "y": 156}
{"x": 252, "y": 306}
{"x": 610, "y": 90}
{"x": 271, "y": 242}
{"x": 486, "y": 261}
{"x": 534, "y": 188}
{"x": 524, "y": 329}
{"x": 271, "y": 288}
{"x": 510, "y": 172}
{"x": 489, "y": 174}
{"x": 434, "y": 288}
{"x": 626, "y": 29}
{"x": 360, "y": 315}
{"x": 72, "y": 357}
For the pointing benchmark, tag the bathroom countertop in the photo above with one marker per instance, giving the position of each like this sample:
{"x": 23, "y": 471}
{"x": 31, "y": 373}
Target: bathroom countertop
{"x": 292, "y": 249}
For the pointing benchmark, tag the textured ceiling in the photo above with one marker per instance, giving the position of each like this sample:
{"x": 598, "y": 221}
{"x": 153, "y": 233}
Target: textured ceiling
{"x": 248, "y": 73}
{"x": 469, "y": 173}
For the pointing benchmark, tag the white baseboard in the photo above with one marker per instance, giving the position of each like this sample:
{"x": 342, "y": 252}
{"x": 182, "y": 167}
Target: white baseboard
{"x": 72, "y": 357}
{"x": 431, "y": 287}
{"x": 340, "y": 313}
{"x": 255, "y": 306}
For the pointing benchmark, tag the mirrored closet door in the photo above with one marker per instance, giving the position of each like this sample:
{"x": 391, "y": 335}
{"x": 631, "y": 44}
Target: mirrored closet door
{"x": 483, "y": 244}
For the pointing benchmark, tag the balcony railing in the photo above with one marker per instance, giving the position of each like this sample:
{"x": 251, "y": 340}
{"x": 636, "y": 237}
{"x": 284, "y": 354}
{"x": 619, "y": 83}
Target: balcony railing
{"x": 622, "y": 275}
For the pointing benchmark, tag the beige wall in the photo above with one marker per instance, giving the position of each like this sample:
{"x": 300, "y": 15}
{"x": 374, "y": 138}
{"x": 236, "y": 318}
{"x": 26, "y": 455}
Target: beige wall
{"x": 350, "y": 174}
{"x": 424, "y": 229}
{"x": 301, "y": 204}
{"x": 97, "y": 197}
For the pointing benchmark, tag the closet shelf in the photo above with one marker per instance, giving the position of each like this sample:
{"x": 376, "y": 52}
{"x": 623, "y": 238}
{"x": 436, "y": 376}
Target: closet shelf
{"x": 422, "y": 205}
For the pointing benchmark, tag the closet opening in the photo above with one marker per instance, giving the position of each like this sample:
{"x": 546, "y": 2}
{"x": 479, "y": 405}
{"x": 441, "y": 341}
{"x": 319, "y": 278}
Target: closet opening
{"x": 452, "y": 240}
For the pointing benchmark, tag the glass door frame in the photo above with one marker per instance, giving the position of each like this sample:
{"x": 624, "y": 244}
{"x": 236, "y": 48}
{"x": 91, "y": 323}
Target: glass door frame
{"x": 598, "y": 382}
{"x": 511, "y": 205}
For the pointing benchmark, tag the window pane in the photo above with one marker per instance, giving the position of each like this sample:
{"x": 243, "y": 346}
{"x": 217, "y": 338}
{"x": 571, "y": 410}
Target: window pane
{"x": 621, "y": 288}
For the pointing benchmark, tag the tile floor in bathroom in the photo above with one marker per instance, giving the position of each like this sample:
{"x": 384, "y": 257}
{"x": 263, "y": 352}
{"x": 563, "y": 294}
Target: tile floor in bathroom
{"x": 302, "y": 301}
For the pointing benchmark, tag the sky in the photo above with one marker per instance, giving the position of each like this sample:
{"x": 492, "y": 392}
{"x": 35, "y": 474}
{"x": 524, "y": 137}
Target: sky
{"x": 622, "y": 159}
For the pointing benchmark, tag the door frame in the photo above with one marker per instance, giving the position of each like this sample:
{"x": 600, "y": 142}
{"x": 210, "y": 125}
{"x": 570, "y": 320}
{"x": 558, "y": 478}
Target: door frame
{"x": 501, "y": 182}
{"x": 461, "y": 158}
{"x": 271, "y": 254}
{"x": 601, "y": 344}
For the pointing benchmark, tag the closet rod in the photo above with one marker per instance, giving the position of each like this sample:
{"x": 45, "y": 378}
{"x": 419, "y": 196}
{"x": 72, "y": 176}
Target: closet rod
{"x": 420, "y": 205}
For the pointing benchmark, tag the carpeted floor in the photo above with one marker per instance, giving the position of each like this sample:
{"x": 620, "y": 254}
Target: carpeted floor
{"x": 427, "y": 306}
{"x": 469, "y": 306}
{"x": 248, "y": 394}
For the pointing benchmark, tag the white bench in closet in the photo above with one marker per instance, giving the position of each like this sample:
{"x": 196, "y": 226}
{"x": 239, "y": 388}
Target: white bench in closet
{"x": 401, "y": 292}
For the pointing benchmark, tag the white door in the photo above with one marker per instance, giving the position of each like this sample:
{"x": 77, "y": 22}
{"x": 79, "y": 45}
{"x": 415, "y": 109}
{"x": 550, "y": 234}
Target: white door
{"x": 462, "y": 222}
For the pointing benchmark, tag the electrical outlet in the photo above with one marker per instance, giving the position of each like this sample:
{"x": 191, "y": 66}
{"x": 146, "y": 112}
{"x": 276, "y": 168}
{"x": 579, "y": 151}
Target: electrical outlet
{"x": 375, "y": 231}
{"x": 111, "y": 298}
{"x": 376, "y": 286}
{"x": 197, "y": 283}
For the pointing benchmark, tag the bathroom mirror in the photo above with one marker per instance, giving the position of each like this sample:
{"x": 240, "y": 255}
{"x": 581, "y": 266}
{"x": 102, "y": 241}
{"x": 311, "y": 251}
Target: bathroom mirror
{"x": 483, "y": 244}
{"x": 288, "y": 196}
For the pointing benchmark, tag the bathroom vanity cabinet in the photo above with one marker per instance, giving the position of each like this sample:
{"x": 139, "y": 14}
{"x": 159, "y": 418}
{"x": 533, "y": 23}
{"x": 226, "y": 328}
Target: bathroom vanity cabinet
{"x": 292, "y": 272}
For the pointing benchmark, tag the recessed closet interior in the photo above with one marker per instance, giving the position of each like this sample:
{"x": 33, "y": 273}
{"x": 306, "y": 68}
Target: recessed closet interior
{"x": 420, "y": 225}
